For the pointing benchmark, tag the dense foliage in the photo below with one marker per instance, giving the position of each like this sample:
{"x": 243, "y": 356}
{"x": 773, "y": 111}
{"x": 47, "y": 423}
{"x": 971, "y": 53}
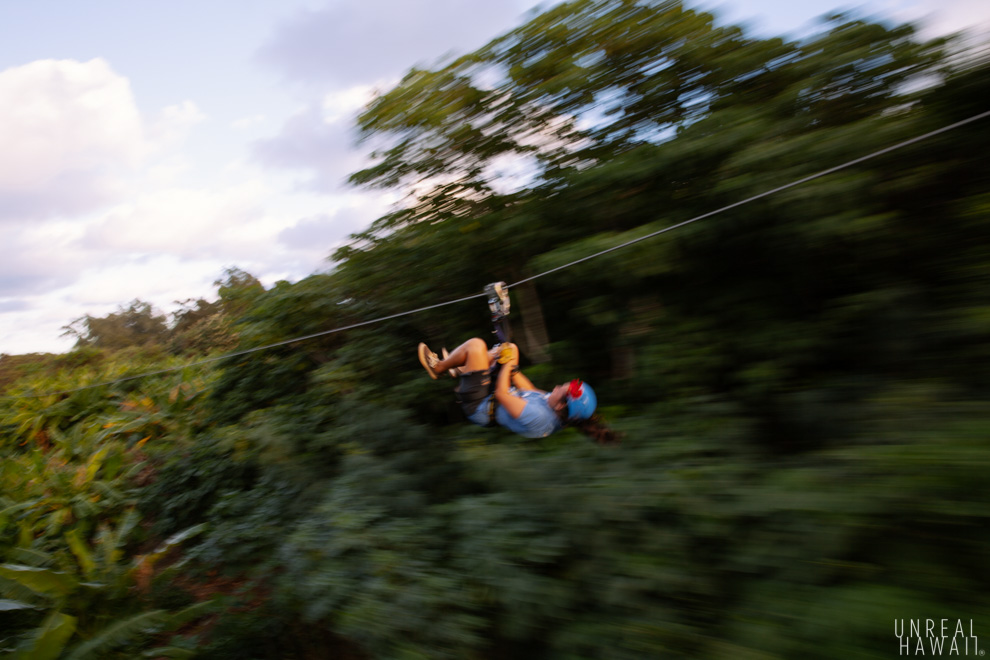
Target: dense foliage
{"x": 801, "y": 381}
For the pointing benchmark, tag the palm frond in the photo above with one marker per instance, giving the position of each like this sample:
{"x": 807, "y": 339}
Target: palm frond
{"x": 119, "y": 633}
{"x": 8, "y": 605}
{"x": 49, "y": 639}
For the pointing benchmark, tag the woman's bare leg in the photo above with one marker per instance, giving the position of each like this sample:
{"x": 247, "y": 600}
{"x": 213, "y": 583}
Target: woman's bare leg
{"x": 472, "y": 355}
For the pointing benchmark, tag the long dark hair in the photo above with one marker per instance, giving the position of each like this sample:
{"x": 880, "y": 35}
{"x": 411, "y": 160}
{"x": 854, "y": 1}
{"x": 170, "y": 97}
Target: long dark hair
{"x": 595, "y": 428}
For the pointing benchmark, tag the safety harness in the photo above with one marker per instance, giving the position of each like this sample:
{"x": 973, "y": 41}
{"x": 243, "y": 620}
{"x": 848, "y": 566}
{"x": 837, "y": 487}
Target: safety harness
{"x": 492, "y": 400}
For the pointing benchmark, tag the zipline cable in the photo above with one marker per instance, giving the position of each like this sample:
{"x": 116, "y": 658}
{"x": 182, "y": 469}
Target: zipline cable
{"x": 703, "y": 216}
{"x": 227, "y": 356}
{"x": 760, "y": 195}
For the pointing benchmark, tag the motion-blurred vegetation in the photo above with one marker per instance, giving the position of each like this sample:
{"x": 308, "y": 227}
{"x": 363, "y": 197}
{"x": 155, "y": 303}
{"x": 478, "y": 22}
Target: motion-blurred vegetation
{"x": 801, "y": 381}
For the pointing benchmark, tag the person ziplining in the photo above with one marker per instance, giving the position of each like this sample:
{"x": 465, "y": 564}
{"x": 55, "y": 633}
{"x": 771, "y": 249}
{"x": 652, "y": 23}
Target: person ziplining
{"x": 492, "y": 391}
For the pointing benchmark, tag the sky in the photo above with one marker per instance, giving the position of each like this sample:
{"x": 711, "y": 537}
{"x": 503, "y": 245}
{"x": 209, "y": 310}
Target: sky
{"x": 146, "y": 147}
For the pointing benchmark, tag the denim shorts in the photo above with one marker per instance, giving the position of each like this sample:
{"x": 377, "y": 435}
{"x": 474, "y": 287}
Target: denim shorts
{"x": 473, "y": 393}
{"x": 480, "y": 414}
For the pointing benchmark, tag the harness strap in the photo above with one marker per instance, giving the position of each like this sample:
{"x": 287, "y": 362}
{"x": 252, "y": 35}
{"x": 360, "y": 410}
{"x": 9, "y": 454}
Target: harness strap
{"x": 492, "y": 401}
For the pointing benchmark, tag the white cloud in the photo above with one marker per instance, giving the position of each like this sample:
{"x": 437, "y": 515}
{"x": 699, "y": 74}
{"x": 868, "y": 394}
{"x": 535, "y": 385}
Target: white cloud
{"x": 958, "y": 15}
{"x": 168, "y": 170}
{"x": 181, "y": 221}
{"x": 34, "y": 260}
{"x": 69, "y": 130}
{"x": 159, "y": 280}
{"x": 309, "y": 142}
{"x": 34, "y": 329}
{"x": 348, "y": 43}
{"x": 244, "y": 123}
{"x": 345, "y": 104}
{"x": 174, "y": 123}
{"x": 319, "y": 235}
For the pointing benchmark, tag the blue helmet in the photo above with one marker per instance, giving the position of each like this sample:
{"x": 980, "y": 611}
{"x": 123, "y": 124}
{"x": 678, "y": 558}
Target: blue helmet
{"x": 581, "y": 400}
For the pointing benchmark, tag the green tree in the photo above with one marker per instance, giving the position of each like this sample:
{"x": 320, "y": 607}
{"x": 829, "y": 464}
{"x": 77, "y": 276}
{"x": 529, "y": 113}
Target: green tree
{"x": 138, "y": 324}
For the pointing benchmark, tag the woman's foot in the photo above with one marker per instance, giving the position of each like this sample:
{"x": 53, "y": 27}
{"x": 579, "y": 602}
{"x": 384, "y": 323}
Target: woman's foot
{"x": 428, "y": 359}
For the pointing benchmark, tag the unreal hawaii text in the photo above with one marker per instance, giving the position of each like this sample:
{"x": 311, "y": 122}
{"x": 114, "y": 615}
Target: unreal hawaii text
{"x": 937, "y": 637}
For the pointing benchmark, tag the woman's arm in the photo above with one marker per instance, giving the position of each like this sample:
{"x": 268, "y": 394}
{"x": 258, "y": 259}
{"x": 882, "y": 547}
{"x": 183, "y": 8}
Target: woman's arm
{"x": 523, "y": 383}
{"x": 513, "y": 404}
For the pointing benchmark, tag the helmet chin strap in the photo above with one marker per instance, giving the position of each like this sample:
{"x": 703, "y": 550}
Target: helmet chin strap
{"x": 559, "y": 400}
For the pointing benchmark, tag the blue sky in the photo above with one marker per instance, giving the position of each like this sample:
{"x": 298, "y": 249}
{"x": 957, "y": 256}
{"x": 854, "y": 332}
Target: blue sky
{"x": 147, "y": 146}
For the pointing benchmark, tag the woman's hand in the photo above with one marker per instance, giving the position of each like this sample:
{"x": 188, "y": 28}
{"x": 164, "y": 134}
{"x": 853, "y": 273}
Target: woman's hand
{"x": 509, "y": 355}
